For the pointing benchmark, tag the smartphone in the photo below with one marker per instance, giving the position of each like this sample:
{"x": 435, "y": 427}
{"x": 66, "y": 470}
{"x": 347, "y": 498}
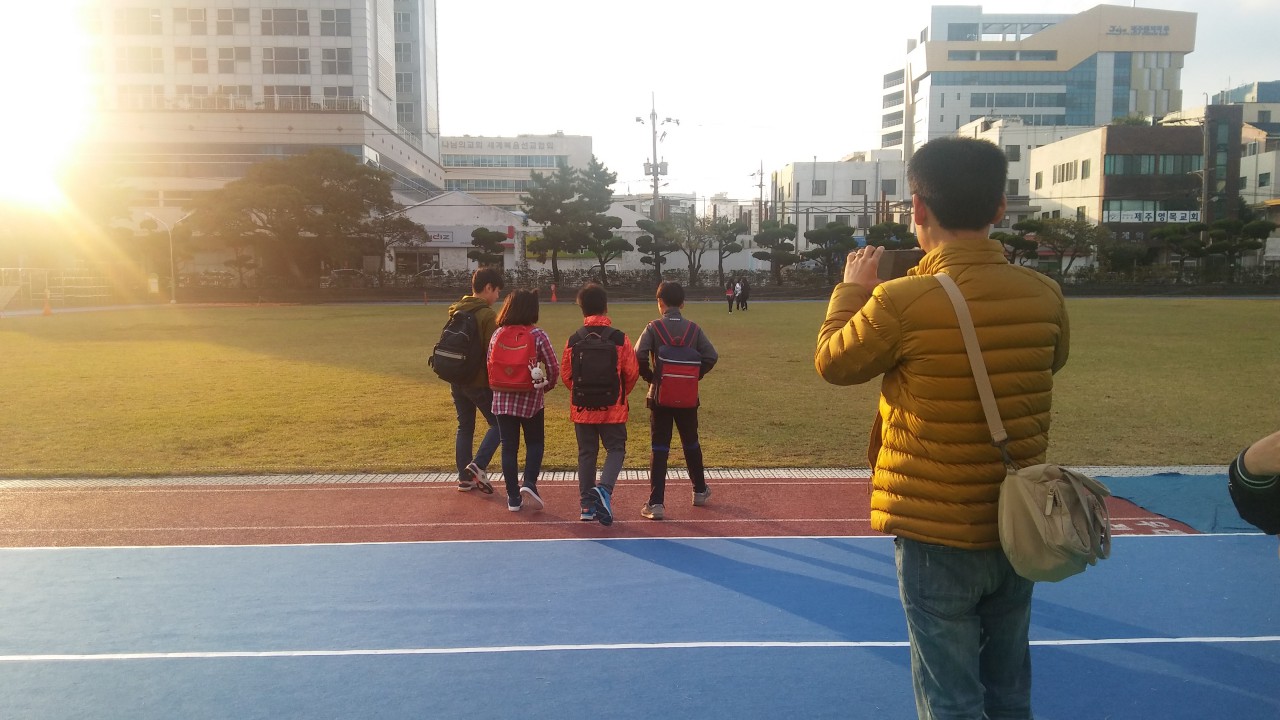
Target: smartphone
{"x": 896, "y": 263}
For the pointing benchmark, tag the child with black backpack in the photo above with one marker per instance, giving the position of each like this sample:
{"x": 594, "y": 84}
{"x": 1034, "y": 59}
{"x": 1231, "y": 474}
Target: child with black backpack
{"x": 459, "y": 359}
{"x": 599, "y": 368}
{"x": 673, "y": 354}
{"x": 522, "y": 369}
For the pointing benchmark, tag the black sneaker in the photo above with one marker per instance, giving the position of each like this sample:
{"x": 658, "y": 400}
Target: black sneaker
{"x": 604, "y": 511}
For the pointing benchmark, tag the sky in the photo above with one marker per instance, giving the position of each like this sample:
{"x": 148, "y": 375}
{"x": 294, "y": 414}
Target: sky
{"x": 751, "y": 82}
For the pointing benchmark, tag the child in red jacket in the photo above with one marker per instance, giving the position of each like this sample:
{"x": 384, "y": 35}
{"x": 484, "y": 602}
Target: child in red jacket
{"x": 600, "y": 370}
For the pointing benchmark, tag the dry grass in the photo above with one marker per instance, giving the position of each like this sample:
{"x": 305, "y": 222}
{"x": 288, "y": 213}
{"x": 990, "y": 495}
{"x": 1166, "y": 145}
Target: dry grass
{"x": 346, "y": 388}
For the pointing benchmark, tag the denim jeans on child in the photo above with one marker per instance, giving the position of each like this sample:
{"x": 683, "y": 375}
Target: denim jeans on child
{"x": 968, "y": 614}
{"x": 467, "y": 400}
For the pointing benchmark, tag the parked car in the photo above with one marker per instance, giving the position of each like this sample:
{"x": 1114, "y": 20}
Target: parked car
{"x": 349, "y": 278}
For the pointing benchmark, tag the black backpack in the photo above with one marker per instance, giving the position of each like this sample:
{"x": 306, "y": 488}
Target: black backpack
{"x": 459, "y": 355}
{"x": 594, "y": 357}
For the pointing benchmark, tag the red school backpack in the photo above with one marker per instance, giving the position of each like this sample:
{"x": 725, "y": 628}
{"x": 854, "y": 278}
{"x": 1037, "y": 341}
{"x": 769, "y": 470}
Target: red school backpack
{"x": 513, "y": 355}
{"x": 677, "y": 367}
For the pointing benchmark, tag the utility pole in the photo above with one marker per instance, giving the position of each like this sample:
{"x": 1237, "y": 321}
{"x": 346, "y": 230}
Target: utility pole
{"x": 655, "y": 168}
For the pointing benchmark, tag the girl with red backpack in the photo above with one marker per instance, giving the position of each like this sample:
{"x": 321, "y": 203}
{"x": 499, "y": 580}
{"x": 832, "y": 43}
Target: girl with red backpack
{"x": 522, "y": 367}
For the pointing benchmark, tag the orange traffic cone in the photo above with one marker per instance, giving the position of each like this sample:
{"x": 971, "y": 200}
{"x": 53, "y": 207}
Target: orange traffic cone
{"x": 553, "y": 292}
{"x": 48, "y": 309}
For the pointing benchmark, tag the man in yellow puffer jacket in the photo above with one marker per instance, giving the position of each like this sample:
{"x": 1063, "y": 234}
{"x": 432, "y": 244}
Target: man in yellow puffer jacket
{"x": 935, "y": 474}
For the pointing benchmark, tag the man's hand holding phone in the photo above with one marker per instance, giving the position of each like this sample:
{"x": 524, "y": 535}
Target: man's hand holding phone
{"x": 862, "y": 267}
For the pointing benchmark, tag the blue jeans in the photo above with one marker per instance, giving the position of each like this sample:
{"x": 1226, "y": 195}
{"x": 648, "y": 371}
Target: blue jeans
{"x": 534, "y": 431}
{"x": 968, "y": 614}
{"x": 467, "y": 400}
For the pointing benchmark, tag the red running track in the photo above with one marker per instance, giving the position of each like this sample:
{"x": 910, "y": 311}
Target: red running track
{"x": 296, "y": 514}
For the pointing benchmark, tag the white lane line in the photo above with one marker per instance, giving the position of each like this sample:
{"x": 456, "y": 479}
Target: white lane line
{"x": 243, "y": 654}
{"x": 319, "y": 487}
{"x": 378, "y": 526}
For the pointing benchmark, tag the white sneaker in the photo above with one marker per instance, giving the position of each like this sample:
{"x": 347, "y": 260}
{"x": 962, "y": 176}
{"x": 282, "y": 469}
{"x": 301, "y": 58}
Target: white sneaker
{"x": 480, "y": 479}
{"x": 700, "y": 498}
{"x": 532, "y": 494}
{"x": 653, "y": 512}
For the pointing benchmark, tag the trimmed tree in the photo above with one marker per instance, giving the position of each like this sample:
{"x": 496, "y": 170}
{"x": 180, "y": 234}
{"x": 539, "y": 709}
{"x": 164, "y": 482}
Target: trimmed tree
{"x": 780, "y": 250}
{"x": 727, "y": 242}
{"x": 549, "y": 203}
{"x": 657, "y": 244}
{"x": 488, "y": 244}
{"x": 834, "y": 242}
{"x": 697, "y": 237}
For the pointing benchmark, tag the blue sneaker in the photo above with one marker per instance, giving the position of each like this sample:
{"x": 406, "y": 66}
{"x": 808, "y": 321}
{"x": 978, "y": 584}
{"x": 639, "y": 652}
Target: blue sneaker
{"x": 604, "y": 511}
{"x": 588, "y": 512}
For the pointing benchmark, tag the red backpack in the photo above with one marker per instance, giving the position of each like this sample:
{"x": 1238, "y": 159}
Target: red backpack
{"x": 513, "y": 355}
{"x": 677, "y": 367}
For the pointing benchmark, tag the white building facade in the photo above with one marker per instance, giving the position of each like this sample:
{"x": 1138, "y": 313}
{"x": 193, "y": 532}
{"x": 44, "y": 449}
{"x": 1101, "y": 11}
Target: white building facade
{"x": 864, "y": 189}
{"x": 190, "y": 97}
{"x": 497, "y": 170}
{"x": 1081, "y": 70}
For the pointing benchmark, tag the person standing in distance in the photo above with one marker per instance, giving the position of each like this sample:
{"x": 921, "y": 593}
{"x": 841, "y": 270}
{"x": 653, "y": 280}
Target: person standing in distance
{"x": 935, "y": 474}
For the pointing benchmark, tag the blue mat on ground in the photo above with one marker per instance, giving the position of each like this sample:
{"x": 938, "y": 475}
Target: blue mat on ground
{"x": 713, "y": 629}
{"x": 1200, "y": 501}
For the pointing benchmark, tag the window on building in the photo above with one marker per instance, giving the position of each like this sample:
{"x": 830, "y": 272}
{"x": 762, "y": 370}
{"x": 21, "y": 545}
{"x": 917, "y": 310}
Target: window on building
{"x": 404, "y": 113}
{"x": 859, "y": 187}
{"x": 193, "y": 19}
{"x": 819, "y": 221}
{"x": 1085, "y": 165}
{"x": 1264, "y": 116}
{"x": 233, "y": 60}
{"x": 336, "y": 23}
{"x": 889, "y": 187}
{"x": 287, "y": 97}
{"x": 228, "y": 18}
{"x": 403, "y": 53}
{"x": 1011, "y": 186}
{"x": 1080, "y": 209}
{"x": 962, "y": 31}
{"x": 138, "y": 21}
{"x": 962, "y": 55}
{"x": 893, "y": 99}
{"x": 335, "y": 61}
{"x": 339, "y": 97}
{"x": 864, "y": 222}
{"x": 1055, "y": 214}
{"x": 891, "y": 119}
{"x": 404, "y": 82}
{"x": 843, "y": 220}
{"x": 819, "y": 187}
{"x": 1264, "y": 180}
{"x": 403, "y": 20}
{"x": 1065, "y": 172}
{"x": 1039, "y": 180}
{"x": 286, "y": 61}
{"x": 139, "y": 60}
{"x": 191, "y": 59}
{"x": 891, "y": 139}
{"x": 140, "y": 97}
{"x": 1038, "y": 55}
{"x": 1244, "y": 183}
{"x": 998, "y": 55}
{"x": 285, "y": 21}
{"x": 1013, "y": 152}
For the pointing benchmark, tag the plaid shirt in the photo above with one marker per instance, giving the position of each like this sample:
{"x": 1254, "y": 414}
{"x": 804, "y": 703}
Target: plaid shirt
{"x": 527, "y": 404}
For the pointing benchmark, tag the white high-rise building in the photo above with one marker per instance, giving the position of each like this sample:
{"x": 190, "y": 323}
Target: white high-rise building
{"x": 1080, "y": 70}
{"x": 190, "y": 94}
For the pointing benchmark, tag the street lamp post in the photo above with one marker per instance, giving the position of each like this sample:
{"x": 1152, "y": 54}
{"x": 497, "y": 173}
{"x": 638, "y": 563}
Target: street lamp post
{"x": 655, "y": 168}
{"x": 173, "y": 264}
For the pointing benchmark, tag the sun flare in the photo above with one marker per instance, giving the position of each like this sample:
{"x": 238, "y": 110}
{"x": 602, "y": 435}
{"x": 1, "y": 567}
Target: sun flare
{"x": 47, "y": 54}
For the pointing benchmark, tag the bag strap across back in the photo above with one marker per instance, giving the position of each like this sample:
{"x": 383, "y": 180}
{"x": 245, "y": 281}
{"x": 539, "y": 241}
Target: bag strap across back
{"x": 999, "y": 437}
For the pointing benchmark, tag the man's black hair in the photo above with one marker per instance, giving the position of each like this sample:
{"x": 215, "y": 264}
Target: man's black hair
{"x": 960, "y": 180}
{"x": 593, "y": 300}
{"x": 486, "y": 276}
{"x": 671, "y": 293}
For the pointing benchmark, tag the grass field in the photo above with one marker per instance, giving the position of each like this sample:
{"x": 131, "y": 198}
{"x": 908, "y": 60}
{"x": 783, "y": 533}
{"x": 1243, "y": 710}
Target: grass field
{"x": 346, "y": 388}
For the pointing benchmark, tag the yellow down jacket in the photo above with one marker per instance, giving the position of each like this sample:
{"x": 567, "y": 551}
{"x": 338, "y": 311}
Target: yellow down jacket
{"x": 936, "y": 477}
